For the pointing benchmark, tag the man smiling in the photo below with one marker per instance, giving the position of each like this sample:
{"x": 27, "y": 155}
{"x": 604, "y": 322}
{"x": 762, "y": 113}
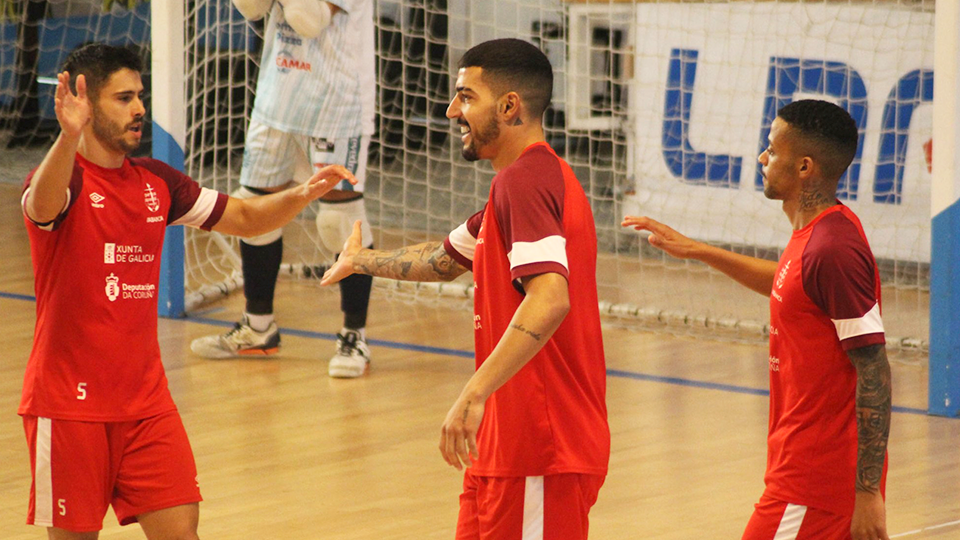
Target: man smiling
{"x": 531, "y": 424}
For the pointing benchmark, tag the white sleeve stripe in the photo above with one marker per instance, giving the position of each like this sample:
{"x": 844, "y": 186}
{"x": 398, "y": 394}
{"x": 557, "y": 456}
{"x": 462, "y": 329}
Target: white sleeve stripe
{"x": 463, "y": 241}
{"x": 549, "y": 249}
{"x": 869, "y": 323}
{"x": 201, "y": 209}
{"x": 47, "y": 226}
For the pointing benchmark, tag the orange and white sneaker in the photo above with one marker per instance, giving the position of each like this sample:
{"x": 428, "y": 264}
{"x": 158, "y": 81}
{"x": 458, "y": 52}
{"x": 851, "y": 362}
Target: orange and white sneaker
{"x": 240, "y": 342}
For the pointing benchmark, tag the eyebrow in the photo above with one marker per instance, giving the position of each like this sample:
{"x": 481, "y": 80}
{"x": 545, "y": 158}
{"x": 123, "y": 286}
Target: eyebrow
{"x": 463, "y": 89}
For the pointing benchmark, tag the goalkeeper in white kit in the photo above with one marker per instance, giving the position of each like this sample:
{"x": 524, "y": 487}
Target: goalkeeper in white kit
{"x": 314, "y": 106}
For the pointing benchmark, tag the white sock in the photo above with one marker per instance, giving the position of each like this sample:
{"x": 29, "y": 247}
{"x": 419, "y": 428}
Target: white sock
{"x": 361, "y": 331}
{"x": 260, "y": 323}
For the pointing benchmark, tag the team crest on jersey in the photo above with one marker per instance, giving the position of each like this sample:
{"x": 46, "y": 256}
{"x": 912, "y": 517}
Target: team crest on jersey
{"x": 96, "y": 200}
{"x": 782, "y": 275}
{"x": 113, "y": 287}
{"x": 150, "y": 197}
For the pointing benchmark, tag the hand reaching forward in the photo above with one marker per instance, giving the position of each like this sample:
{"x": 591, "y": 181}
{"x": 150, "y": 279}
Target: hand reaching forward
{"x": 663, "y": 237}
{"x": 458, "y": 435}
{"x": 344, "y": 265}
{"x": 73, "y": 111}
{"x": 323, "y": 181}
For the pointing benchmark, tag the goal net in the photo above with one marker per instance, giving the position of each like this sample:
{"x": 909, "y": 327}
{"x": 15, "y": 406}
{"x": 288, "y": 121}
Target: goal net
{"x": 660, "y": 107}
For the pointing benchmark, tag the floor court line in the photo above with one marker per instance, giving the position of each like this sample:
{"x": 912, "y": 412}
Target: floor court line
{"x": 469, "y": 355}
{"x": 931, "y": 528}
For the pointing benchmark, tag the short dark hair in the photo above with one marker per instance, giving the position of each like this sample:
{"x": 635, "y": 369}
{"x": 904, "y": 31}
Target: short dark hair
{"x": 97, "y": 62}
{"x": 514, "y": 65}
{"x": 828, "y": 131}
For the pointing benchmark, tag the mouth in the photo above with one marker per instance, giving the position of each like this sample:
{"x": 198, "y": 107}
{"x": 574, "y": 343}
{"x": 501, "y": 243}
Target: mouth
{"x": 464, "y": 131}
{"x": 136, "y": 127}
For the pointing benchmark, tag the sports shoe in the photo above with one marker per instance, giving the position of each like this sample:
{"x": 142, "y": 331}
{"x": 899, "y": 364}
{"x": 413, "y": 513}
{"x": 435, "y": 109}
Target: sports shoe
{"x": 352, "y": 358}
{"x": 240, "y": 341}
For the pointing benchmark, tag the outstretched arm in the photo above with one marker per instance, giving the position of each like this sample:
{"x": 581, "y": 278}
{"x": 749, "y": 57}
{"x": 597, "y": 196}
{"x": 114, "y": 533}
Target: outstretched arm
{"x": 258, "y": 215}
{"x": 752, "y": 272}
{"x": 544, "y": 306}
{"x": 428, "y": 261}
{"x": 873, "y": 428}
{"x": 48, "y": 187}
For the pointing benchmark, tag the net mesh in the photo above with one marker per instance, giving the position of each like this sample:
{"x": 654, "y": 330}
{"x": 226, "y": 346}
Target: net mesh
{"x": 659, "y": 106}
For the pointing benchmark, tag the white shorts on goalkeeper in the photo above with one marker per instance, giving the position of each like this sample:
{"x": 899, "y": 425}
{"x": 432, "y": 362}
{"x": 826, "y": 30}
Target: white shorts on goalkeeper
{"x": 272, "y": 157}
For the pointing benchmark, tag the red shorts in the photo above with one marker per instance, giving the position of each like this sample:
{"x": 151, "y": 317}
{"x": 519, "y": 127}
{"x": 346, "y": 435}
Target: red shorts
{"x": 773, "y": 519}
{"x": 551, "y": 507}
{"x": 79, "y": 468}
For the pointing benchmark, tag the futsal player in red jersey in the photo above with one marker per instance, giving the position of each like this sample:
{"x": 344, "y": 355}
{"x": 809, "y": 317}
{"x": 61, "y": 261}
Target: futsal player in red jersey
{"x": 829, "y": 374}
{"x": 101, "y": 425}
{"x": 531, "y": 424}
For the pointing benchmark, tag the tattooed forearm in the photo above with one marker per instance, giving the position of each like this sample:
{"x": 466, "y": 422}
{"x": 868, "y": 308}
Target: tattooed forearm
{"x": 423, "y": 262}
{"x": 813, "y": 198}
{"x": 873, "y": 414}
{"x": 520, "y": 328}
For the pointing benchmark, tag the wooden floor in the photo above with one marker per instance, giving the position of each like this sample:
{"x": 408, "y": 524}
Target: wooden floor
{"x": 284, "y": 452}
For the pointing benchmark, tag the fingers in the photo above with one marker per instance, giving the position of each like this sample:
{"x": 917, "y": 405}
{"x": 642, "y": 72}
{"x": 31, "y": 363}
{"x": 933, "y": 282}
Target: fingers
{"x": 328, "y": 277}
{"x": 448, "y": 447}
{"x": 63, "y": 86}
{"x": 337, "y": 171}
{"x": 81, "y": 86}
{"x": 644, "y": 223}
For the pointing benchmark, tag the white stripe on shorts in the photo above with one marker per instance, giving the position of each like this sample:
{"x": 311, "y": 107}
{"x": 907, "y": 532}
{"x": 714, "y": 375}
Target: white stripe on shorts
{"x": 790, "y": 522}
{"x": 533, "y": 508}
{"x": 43, "y": 504}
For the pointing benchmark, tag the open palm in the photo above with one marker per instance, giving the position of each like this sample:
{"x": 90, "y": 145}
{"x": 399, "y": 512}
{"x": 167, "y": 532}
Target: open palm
{"x": 344, "y": 265}
{"x": 73, "y": 111}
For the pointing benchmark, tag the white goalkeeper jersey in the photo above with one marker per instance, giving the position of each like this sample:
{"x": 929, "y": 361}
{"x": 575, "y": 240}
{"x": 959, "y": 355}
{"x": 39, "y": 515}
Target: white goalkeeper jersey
{"x": 321, "y": 87}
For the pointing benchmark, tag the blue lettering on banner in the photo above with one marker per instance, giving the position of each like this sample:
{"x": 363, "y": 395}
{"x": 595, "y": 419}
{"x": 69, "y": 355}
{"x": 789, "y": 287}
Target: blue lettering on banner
{"x": 788, "y": 76}
{"x": 690, "y": 166}
{"x": 912, "y": 89}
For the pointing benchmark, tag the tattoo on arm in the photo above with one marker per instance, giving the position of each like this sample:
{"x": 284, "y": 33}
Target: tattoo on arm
{"x": 873, "y": 413}
{"x": 424, "y": 262}
{"x": 520, "y": 328}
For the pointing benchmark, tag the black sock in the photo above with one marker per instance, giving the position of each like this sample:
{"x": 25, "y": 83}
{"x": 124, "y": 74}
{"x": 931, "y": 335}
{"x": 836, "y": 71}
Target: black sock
{"x": 354, "y": 299}
{"x": 261, "y": 264}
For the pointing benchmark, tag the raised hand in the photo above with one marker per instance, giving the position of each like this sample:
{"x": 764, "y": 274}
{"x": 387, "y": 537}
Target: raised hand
{"x": 663, "y": 237}
{"x": 344, "y": 265}
{"x": 325, "y": 180}
{"x": 73, "y": 111}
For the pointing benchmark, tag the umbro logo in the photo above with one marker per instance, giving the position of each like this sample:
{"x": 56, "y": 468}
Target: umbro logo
{"x": 96, "y": 200}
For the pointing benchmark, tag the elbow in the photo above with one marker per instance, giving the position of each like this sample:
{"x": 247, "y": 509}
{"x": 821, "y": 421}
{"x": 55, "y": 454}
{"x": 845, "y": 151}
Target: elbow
{"x": 560, "y": 308}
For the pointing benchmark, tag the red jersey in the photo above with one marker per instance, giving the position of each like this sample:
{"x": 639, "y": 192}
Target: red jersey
{"x": 551, "y": 417}
{"x": 96, "y": 268}
{"x": 825, "y": 301}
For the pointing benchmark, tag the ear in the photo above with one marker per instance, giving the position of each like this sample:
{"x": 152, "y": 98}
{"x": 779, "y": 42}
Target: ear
{"x": 509, "y": 106}
{"x": 806, "y": 167}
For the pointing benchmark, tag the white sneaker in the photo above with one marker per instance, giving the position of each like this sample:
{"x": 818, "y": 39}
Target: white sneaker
{"x": 240, "y": 341}
{"x": 352, "y": 358}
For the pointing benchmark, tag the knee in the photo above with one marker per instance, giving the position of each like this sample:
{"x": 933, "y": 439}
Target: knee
{"x": 335, "y": 223}
{"x": 266, "y": 238}
{"x": 253, "y": 10}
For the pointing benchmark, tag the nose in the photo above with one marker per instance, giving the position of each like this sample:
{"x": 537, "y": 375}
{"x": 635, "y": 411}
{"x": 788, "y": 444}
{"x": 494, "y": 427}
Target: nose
{"x": 762, "y": 158}
{"x": 453, "y": 110}
{"x": 140, "y": 109}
